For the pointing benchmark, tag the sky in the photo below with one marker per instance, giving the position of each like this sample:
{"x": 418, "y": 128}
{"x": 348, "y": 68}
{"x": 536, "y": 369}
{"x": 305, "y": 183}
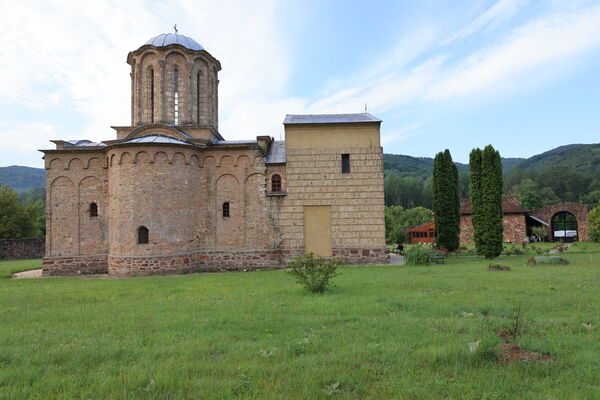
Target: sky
{"x": 522, "y": 75}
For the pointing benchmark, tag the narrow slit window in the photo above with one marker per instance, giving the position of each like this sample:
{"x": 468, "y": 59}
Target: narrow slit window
{"x": 198, "y": 95}
{"x": 345, "y": 163}
{"x": 276, "y": 183}
{"x": 226, "y": 209}
{"x": 143, "y": 235}
{"x": 176, "y": 95}
{"x": 151, "y": 94}
{"x": 93, "y": 210}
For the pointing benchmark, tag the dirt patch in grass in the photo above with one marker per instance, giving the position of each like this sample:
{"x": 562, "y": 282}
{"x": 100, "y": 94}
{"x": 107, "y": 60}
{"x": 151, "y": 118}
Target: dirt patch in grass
{"x": 510, "y": 353}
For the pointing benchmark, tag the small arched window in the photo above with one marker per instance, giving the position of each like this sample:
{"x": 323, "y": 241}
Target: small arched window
{"x": 93, "y": 210}
{"x": 276, "y": 183}
{"x": 143, "y": 235}
{"x": 226, "y": 209}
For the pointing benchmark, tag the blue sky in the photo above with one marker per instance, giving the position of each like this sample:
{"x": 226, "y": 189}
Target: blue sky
{"x": 519, "y": 74}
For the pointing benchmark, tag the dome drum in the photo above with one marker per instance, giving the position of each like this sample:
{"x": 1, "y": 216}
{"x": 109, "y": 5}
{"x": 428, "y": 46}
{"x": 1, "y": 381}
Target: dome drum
{"x": 174, "y": 81}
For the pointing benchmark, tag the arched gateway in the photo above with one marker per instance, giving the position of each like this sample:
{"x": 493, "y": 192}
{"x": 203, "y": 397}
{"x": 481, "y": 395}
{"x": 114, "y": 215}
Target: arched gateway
{"x": 564, "y": 227}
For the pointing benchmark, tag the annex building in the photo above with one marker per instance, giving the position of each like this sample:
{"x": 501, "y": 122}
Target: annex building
{"x": 171, "y": 195}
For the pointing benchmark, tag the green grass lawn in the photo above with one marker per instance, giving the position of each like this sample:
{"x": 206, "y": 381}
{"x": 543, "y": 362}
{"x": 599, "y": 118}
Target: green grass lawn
{"x": 384, "y": 332}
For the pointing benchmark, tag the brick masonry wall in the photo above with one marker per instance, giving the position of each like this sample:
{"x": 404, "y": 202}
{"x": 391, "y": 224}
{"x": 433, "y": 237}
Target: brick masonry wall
{"x": 580, "y": 211}
{"x": 81, "y": 265}
{"x": 314, "y": 177}
{"x": 514, "y": 230}
{"x": 21, "y": 248}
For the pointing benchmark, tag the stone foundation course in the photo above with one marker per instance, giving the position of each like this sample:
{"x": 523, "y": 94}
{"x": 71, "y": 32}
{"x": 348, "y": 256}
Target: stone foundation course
{"x": 77, "y": 265}
{"x": 205, "y": 261}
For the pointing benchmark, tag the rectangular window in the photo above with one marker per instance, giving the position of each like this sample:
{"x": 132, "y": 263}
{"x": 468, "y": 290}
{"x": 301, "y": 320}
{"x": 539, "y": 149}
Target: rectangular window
{"x": 345, "y": 163}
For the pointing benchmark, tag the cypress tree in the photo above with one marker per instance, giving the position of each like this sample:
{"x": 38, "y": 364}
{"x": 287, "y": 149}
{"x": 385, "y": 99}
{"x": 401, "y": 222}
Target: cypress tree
{"x": 486, "y": 195}
{"x": 446, "y": 201}
{"x": 475, "y": 172}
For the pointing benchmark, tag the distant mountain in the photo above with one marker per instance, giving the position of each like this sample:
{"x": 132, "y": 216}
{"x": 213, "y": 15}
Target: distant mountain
{"x": 582, "y": 158}
{"x": 423, "y": 166}
{"x": 22, "y": 178}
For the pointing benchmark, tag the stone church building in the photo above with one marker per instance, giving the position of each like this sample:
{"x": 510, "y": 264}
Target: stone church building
{"x": 171, "y": 195}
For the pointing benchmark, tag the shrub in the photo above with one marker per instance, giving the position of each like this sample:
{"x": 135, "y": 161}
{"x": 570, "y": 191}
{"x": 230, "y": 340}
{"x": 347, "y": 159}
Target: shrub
{"x": 540, "y": 232}
{"x": 594, "y": 222}
{"x": 418, "y": 255}
{"x": 314, "y": 273}
{"x": 512, "y": 250}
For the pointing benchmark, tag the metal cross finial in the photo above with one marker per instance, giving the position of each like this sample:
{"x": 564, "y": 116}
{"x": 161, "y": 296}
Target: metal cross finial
{"x": 175, "y": 27}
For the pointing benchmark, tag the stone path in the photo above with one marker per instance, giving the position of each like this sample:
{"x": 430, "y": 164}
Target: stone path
{"x": 32, "y": 273}
{"x": 396, "y": 259}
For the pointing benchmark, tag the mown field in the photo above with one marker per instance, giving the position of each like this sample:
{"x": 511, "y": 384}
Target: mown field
{"x": 384, "y": 332}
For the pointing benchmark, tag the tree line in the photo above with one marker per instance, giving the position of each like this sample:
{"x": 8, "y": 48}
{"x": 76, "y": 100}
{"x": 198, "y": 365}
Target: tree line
{"x": 22, "y": 215}
{"x": 534, "y": 187}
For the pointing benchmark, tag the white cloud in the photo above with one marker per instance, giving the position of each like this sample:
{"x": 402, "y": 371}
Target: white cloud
{"x": 546, "y": 42}
{"x": 25, "y": 140}
{"x": 60, "y": 54}
{"x": 69, "y": 55}
{"x": 497, "y": 14}
{"x": 402, "y": 134}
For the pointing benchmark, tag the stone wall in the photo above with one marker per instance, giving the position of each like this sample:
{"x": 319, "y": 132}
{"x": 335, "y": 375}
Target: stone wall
{"x": 152, "y": 86}
{"x": 201, "y": 261}
{"x": 74, "y": 180}
{"x": 178, "y": 194}
{"x": 514, "y": 228}
{"x": 21, "y": 248}
{"x": 314, "y": 177}
{"x": 81, "y": 265}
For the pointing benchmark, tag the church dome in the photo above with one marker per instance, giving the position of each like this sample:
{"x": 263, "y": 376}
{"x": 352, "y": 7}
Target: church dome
{"x": 166, "y": 39}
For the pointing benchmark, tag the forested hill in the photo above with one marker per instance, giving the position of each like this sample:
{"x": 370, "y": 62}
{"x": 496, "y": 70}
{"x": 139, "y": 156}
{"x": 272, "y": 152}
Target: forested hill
{"x": 566, "y": 173}
{"x": 22, "y": 178}
{"x": 422, "y": 167}
{"x": 582, "y": 158}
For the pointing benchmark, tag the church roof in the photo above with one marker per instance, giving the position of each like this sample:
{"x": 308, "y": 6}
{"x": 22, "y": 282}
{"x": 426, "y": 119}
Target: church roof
{"x": 157, "y": 139}
{"x": 82, "y": 143}
{"x": 291, "y": 119}
{"x": 166, "y": 39}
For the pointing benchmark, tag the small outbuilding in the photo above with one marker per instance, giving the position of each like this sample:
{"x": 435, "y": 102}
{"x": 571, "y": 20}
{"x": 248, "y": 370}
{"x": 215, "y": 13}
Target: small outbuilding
{"x": 424, "y": 233}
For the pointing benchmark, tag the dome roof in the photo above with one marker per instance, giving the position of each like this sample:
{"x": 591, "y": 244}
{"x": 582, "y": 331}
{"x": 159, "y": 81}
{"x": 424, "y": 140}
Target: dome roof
{"x": 166, "y": 39}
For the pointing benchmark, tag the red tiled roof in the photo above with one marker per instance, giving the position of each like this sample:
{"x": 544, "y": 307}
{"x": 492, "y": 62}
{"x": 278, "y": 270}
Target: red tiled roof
{"x": 510, "y": 205}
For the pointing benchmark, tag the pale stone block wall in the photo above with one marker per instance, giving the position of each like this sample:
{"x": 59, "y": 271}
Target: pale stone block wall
{"x": 314, "y": 177}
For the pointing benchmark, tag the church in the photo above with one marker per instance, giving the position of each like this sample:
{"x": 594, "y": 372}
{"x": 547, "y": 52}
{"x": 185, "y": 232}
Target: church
{"x": 171, "y": 195}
